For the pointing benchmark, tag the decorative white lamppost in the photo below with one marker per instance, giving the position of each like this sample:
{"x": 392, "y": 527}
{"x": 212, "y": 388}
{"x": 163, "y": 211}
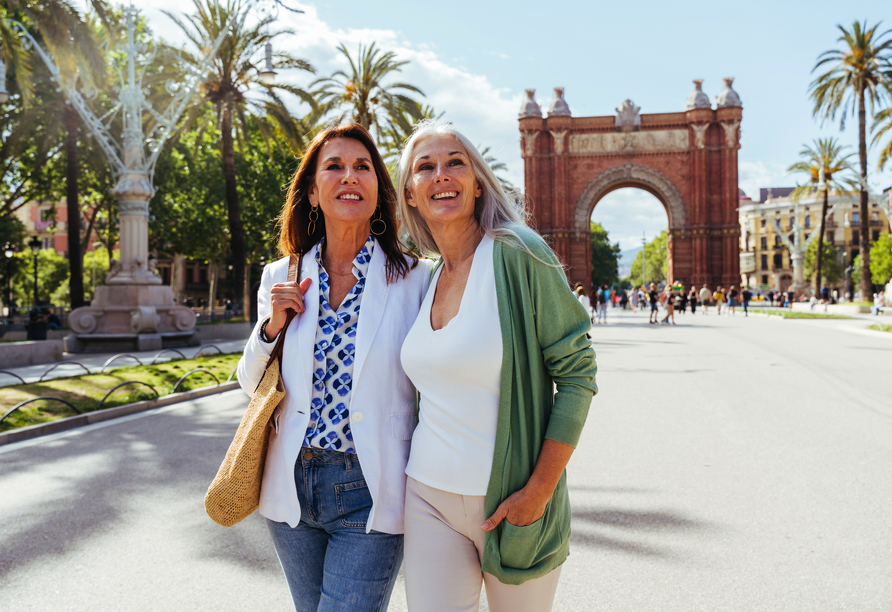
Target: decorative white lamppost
{"x": 134, "y": 310}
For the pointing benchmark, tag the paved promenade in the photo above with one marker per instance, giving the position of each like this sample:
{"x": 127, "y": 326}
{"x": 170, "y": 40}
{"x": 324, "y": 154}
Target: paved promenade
{"x": 727, "y": 464}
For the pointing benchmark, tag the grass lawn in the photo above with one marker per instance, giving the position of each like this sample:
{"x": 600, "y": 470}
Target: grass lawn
{"x": 87, "y": 390}
{"x": 880, "y": 327}
{"x": 795, "y": 314}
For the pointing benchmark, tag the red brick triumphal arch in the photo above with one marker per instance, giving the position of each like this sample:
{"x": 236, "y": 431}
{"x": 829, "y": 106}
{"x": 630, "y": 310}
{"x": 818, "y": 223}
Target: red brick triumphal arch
{"x": 688, "y": 160}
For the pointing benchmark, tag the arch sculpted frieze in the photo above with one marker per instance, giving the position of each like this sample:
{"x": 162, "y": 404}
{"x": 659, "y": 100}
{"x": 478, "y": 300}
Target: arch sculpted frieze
{"x": 639, "y": 174}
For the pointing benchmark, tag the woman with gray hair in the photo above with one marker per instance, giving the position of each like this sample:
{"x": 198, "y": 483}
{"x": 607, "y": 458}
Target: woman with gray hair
{"x": 486, "y": 498}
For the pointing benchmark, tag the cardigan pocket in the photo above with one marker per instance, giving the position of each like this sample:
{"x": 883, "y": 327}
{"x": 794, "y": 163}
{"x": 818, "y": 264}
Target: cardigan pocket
{"x": 519, "y": 547}
{"x": 403, "y": 425}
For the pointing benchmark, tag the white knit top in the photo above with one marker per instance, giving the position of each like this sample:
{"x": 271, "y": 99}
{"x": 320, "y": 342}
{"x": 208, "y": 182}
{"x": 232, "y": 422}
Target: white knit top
{"x": 457, "y": 371}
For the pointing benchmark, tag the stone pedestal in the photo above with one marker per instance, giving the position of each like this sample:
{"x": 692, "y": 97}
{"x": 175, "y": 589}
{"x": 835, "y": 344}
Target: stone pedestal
{"x": 131, "y": 318}
{"x": 799, "y": 286}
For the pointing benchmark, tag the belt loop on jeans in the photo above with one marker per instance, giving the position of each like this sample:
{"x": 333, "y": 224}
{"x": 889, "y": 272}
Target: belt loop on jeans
{"x": 348, "y": 461}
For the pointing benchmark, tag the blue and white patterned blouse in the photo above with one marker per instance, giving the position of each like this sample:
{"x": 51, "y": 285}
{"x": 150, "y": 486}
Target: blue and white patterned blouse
{"x": 333, "y": 358}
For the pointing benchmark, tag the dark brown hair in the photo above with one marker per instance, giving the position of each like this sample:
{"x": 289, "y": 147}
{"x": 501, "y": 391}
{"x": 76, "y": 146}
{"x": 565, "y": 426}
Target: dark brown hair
{"x": 294, "y": 222}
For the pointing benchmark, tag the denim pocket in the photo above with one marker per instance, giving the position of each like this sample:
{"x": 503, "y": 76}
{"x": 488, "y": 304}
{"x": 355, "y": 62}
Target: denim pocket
{"x": 354, "y": 503}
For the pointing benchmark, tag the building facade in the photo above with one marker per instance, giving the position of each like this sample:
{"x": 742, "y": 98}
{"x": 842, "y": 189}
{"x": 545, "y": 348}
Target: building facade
{"x": 765, "y": 260}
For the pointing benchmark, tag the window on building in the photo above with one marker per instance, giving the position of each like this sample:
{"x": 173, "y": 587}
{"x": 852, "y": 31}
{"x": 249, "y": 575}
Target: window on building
{"x": 778, "y": 261}
{"x": 875, "y": 235}
{"x": 48, "y": 214}
{"x": 856, "y": 237}
{"x": 777, "y": 241}
{"x": 792, "y": 221}
{"x": 777, "y": 222}
{"x": 807, "y": 220}
{"x": 762, "y": 223}
{"x": 856, "y": 218}
{"x": 764, "y": 279}
{"x": 46, "y": 243}
{"x": 806, "y": 236}
{"x": 764, "y": 242}
{"x": 764, "y": 262}
{"x": 829, "y": 236}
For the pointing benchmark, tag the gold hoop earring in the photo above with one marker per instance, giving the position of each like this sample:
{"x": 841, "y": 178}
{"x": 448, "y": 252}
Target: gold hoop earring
{"x": 377, "y": 219}
{"x": 314, "y": 216}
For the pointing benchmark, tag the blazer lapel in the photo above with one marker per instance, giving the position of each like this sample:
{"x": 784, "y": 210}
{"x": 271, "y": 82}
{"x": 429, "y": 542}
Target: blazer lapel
{"x": 374, "y": 299}
{"x": 300, "y": 340}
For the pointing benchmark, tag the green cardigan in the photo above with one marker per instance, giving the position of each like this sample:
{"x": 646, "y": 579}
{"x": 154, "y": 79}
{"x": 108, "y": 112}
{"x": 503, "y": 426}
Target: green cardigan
{"x": 545, "y": 346}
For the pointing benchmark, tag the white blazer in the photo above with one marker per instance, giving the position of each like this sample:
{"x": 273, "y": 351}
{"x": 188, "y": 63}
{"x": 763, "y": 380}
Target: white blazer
{"x": 383, "y": 411}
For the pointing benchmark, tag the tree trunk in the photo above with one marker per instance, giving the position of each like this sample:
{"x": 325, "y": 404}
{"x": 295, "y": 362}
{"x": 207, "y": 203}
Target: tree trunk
{"x": 178, "y": 277}
{"x": 236, "y": 232}
{"x": 246, "y": 290}
{"x": 863, "y": 225}
{"x": 820, "y": 254}
{"x": 75, "y": 257}
{"x": 212, "y": 290}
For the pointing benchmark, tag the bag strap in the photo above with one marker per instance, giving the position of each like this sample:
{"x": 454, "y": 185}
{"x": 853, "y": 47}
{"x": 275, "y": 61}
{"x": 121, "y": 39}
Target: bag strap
{"x": 294, "y": 265}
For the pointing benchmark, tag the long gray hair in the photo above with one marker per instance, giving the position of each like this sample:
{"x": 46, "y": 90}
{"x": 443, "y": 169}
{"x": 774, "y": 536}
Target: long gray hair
{"x": 497, "y": 213}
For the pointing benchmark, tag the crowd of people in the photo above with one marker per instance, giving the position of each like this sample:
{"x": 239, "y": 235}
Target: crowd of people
{"x": 664, "y": 300}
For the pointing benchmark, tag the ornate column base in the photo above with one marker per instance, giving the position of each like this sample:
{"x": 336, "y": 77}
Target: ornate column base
{"x": 131, "y": 318}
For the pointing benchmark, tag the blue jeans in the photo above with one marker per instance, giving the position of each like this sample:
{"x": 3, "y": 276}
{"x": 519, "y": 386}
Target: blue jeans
{"x": 329, "y": 560}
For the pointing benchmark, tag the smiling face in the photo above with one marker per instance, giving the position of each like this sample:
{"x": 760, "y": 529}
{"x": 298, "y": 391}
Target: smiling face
{"x": 346, "y": 186}
{"x": 442, "y": 185}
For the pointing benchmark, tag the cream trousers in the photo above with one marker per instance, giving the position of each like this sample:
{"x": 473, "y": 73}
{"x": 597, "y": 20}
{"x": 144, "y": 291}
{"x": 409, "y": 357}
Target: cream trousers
{"x": 443, "y": 550}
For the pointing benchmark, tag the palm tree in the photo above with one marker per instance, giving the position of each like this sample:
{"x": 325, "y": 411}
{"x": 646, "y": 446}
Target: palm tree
{"x": 496, "y": 167}
{"x": 75, "y": 48}
{"x": 381, "y": 108}
{"x": 858, "y": 74}
{"x": 825, "y": 161}
{"x": 236, "y": 71}
{"x": 881, "y": 125}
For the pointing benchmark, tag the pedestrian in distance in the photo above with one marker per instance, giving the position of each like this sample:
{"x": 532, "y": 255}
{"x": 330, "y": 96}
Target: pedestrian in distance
{"x": 705, "y": 297}
{"x": 603, "y": 300}
{"x": 654, "y": 298}
{"x": 670, "y": 305}
{"x": 498, "y": 331}
{"x": 692, "y": 300}
{"x": 334, "y": 481}
{"x": 719, "y": 298}
{"x": 747, "y": 297}
{"x": 732, "y": 301}
{"x": 586, "y": 303}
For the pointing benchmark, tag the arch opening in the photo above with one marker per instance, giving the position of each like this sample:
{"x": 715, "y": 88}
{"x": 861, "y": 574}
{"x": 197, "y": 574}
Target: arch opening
{"x": 622, "y": 215}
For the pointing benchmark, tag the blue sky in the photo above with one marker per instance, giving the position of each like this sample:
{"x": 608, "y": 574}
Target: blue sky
{"x": 474, "y": 59}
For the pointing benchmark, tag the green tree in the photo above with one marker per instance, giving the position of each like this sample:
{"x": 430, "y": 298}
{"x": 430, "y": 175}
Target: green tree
{"x": 881, "y": 260}
{"x": 827, "y": 262}
{"x": 382, "y": 108}
{"x": 823, "y": 161}
{"x": 234, "y": 70}
{"x": 657, "y": 261}
{"x": 605, "y": 257}
{"x": 52, "y": 273}
{"x": 859, "y": 75}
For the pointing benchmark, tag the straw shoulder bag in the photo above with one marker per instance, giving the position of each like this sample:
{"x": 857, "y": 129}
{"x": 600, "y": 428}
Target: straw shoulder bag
{"x": 235, "y": 492}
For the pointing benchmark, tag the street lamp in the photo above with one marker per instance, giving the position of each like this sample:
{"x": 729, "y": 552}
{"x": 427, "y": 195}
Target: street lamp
{"x": 268, "y": 76}
{"x": 35, "y": 245}
{"x": 9, "y": 251}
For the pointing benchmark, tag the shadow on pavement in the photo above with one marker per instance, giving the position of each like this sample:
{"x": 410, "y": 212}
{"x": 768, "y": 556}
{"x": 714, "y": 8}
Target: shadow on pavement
{"x": 636, "y": 522}
{"x": 147, "y": 476}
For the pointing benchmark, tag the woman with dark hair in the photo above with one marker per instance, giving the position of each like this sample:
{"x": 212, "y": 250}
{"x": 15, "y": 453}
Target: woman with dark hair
{"x": 334, "y": 482}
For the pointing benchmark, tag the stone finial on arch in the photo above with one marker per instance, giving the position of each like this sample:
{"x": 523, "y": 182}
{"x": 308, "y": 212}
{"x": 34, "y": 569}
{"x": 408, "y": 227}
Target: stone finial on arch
{"x": 626, "y": 173}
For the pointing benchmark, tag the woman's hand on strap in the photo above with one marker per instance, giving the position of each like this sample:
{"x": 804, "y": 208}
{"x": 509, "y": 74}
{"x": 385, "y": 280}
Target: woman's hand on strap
{"x": 285, "y": 296}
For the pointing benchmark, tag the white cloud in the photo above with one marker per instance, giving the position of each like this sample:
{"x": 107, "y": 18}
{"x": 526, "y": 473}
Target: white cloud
{"x": 754, "y": 175}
